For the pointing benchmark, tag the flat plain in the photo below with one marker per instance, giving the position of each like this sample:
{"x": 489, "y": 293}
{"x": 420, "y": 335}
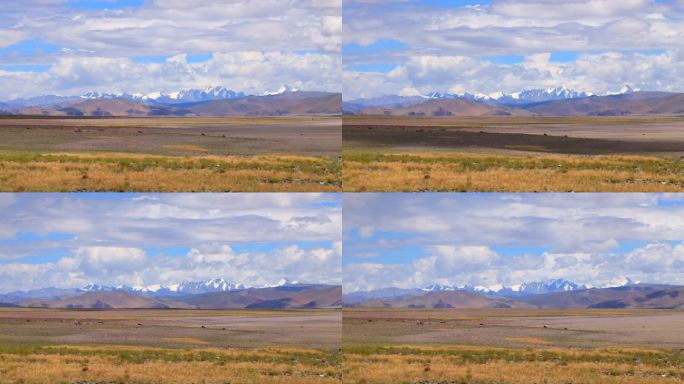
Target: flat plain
{"x": 509, "y": 153}
{"x": 449, "y": 346}
{"x": 169, "y": 346}
{"x": 170, "y": 154}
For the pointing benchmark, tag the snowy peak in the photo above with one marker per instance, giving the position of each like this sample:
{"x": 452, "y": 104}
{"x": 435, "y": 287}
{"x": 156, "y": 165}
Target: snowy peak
{"x": 182, "y": 96}
{"x": 185, "y": 287}
{"x": 549, "y": 286}
{"x": 531, "y": 288}
{"x": 524, "y": 96}
{"x": 619, "y": 282}
{"x": 625, "y": 90}
{"x": 282, "y": 89}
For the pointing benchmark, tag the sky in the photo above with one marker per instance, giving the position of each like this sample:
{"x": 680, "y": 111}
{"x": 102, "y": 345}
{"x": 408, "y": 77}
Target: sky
{"x": 70, "y": 240}
{"x": 70, "y": 47}
{"x": 413, "y": 47}
{"x": 414, "y": 240}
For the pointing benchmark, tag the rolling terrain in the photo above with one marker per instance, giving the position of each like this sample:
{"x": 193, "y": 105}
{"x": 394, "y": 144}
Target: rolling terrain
{"x": 281, "y": 297}
{"x": 516, "y": 346}
{"x": 637, "y": 296}
{"x": 624, "y": 334}
{"x": 289, "y": 103}
{"x": 626, "y": 104}
{"x": 513, "y": 153}
{"x": 40, "y": 345}
{"x": 180, "y": 154}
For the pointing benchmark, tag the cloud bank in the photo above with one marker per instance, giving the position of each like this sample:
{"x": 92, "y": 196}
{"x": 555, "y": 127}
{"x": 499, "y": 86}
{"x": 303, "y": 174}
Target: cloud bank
{"x": 416, "y": 240}
{"x": 72, "y": 240}
{"x": 58, "y": 47}
{"x": 588, "y": 45}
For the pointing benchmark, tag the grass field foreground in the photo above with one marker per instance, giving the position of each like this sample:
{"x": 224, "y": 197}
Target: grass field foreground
{"x": 469, "y": 172}
{"x": 64, "y": 172}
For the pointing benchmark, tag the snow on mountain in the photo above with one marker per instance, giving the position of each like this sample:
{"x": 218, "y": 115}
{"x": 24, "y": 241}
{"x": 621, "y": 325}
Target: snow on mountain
{"x": 284, "y": 282}
{"x": 531, "y": 288}
{"x": 524, "y": 96}
{"x": 182, "y": 96}
{"x": 619, "y": 282}
{"x": 626, "y": 89}
{"x": 282, "y": 89}
{"x": 185, "y": 287}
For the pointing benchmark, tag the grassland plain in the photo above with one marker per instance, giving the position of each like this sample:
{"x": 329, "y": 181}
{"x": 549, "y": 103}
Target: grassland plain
{"x": 170, "y": 154}
{"x": 169, "y": 346}
{"x": 513, "y": 154}
{"x": 492, "y": 346}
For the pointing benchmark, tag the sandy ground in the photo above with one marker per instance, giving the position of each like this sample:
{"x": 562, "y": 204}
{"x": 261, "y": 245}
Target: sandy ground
{"x": 319, "y": 136}
{"x": 503, "y": 328}
{"x": 173, "y": 328}
{"x": 630, "y": 135}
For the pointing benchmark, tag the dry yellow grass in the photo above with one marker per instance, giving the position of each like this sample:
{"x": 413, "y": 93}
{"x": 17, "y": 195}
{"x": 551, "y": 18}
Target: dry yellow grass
{"x": 465, "y": 172}
{"x": 187, "y": 148}
{"x": 187, "y": 340}
{"x": 477, "y": 365}
{"x": 528, "y": 340}
{"x": 137, "y": 365}
{"x": 127, "y": 172}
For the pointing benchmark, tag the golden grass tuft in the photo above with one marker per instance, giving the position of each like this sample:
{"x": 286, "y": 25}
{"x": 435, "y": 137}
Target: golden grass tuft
{"x": 66, "y": 172}
{"x": 470, "y": 172}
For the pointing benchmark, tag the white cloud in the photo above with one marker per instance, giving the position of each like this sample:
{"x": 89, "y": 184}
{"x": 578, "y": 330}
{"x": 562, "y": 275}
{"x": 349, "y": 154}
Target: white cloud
{"x": 133, "y": 267}
{"x": 256, "y": 46}
{"x": 597, "y": 73}
{"x": 512, "y": 238}
{"x": 447, "y": 49}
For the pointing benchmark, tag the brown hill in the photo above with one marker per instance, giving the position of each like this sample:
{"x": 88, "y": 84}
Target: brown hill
{"x": 291, "y": 103}
{"x": 105, "y": 300}
{"x": 636, "y": 296}
{"x": 639, "y": 103}
{"x": 307, "y": 296}
{"x": 448, "y": 107}
{"x": 108, "y": 107}
{"x": 439, "y": 300}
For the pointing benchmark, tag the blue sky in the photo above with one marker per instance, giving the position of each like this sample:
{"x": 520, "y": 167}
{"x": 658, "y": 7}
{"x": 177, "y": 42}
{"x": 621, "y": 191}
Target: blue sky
{"x": 411, "y": 47}
{"x": 413, "y": 240}
{"x": 69, "y": 240}
{"x": 70, "y": 47}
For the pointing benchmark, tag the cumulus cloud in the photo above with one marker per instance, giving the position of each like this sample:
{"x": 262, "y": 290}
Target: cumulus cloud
{"x": 255, "y": 46}
{"x": 134, "y": 239}
{"x": 511, "y": 238}
{"x": 451, "y": 49}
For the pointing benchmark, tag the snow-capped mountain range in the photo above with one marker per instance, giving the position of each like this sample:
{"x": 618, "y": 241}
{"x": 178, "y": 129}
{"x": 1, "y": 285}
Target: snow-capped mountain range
{"x": 497, "y": 290}
{"x": 192, "y": 95}
{"x": 525, "y": 96}
{"x": 529, "y": 288}
{"x": 182, "y": 96}
{"x": 185, "y": 287}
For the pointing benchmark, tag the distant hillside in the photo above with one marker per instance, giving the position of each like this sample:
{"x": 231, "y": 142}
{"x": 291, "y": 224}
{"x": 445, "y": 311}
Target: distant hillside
{"x": 115, "y": 107}
{"x": 630, "y": 296}
{"x": 634, "y": 296}
{"x": 289, "y": 296}
{"x": 105, "y": 300}
{"x": 304, "y": 296}
{"x": 638, "y": 103}
{"x": 633, "y": 103}
{"x": 289, "y": 103}
{"x": 442, "y": 300}
{"x": 445, "y": 108}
